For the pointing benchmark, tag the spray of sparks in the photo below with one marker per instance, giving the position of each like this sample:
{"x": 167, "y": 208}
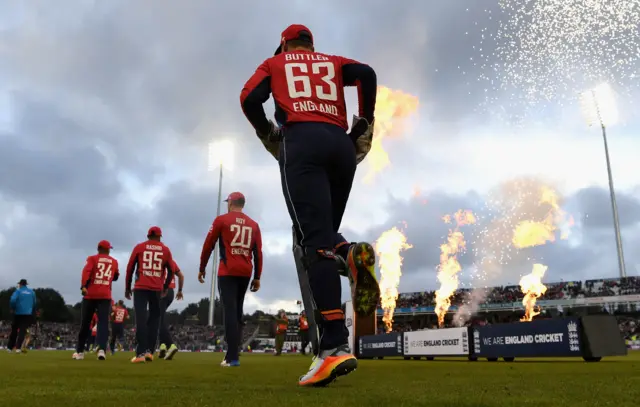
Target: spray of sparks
{"x": 520, "y": 213}
{"x": 393, "y": 108}
{"x": 534, "y": 51}
{"x": 449, "y": 267}
{"x": 532, "y": 288}
{"x": 388, "y": 248}
{"x": 530, "y": 233}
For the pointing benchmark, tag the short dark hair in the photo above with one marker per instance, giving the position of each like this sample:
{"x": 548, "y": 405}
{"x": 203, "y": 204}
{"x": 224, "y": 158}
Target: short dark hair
{"x": 303, "y": 43}
{"x": 238, "y": 202}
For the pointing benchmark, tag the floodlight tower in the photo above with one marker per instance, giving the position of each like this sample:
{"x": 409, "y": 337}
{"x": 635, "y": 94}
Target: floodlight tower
{"x": 220, "y": 156}
{"x": 599, "y": 107}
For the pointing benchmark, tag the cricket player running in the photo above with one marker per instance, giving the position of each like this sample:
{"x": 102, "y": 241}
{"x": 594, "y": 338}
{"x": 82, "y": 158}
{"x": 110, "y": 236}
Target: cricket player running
{"x": 318, "y": 161}
{"x": 151, "y": 263}
{"x": 240, "y": 247}
{"x": 99, "y": 273}
{"x": 168, "y": 349}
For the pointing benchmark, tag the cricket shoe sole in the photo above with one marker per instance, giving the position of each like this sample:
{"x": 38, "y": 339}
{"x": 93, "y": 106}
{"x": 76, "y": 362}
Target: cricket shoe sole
{"x": 365, "y": 290}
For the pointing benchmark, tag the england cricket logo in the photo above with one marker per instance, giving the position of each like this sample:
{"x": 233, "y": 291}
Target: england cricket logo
{"x": 574, "y": 339}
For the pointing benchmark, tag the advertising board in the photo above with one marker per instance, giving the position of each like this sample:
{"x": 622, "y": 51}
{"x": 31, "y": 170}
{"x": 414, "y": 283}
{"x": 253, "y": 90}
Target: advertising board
{"x": 373, "y": 346}
{"x": 451, "y": 342}
{"x": 547, "y": 337}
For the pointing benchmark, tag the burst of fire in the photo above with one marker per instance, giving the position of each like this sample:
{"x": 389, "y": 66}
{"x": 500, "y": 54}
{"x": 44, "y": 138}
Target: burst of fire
{"x": 449, "y": 266}
{"x": 529, "y": 233}
{"x": 388, "y": 248}
{"x": 532, "y": 287}
{"x": 393, "y": 107}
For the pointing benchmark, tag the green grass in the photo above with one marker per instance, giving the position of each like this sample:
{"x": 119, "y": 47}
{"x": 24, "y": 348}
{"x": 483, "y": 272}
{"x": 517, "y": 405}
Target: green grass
{"x": 53, "y": 379}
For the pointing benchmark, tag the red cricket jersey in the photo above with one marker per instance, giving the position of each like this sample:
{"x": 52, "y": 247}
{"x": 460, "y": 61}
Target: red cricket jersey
{"x": 150, "y": 261}
{"x": 175, "y": 268}
{"x": 119, "y": 314}
{"x": 308, "y": 87}
{"x": 98, "y": 274}
{"x": 304, "y": 324}
{"x": 240, "y": 245}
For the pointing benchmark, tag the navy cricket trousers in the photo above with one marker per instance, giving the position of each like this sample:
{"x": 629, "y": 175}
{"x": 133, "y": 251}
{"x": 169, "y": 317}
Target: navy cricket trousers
{"x": 165, "y": 302}
{"x": 89, "y": 307}
{"x": 146, "y": 304}
{"x": 317, "y": 167}
{"x": 232, "y": 293}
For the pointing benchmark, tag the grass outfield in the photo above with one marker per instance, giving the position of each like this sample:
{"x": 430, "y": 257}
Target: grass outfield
{"x": 52, "y": 379}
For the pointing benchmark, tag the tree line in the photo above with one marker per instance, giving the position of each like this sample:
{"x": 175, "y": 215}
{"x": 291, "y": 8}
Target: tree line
{"x": 52, "y": 307}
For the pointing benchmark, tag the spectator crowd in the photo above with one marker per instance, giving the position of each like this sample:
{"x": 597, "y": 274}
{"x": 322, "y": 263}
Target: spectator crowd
{"x": 65, "y": 336}
{"x": 512, "y": 293}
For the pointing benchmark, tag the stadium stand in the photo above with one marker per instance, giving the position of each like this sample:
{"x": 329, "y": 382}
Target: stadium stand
{"x": 194, "y": 337}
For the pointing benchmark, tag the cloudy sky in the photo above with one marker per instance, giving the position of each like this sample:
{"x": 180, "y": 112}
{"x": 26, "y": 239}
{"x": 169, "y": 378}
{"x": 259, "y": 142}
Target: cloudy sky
{"x": 107, "y": 108}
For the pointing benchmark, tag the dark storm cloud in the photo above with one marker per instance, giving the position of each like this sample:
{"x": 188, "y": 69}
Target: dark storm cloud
{"x": 596, "y": 208}
{"x": 430, "y": 49}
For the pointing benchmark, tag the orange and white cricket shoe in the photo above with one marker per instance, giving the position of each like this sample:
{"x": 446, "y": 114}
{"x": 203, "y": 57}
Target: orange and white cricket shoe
{"x": 148, "y": 357}
{"x": 328, "y": 366}
{"x": 138, "y": 359}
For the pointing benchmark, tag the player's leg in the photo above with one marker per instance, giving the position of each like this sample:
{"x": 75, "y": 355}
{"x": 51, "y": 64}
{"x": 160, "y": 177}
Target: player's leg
{"x": 166, "y": 341}
{"x": 140, "y": 304}
{"x": 306, "y": 153}
{"x": 228, "y": 295}
{"x": 279, "y": 343}
{"x": 112, "y": 340}
{"x": 27, "y": 340}
{"x": 23, "y": 325}
{"x": 103, "y": 310}
{"x": 13, "y": 336}
{"x": 307, "y": 296}
{"x": 121, "y": 338}
{"x": 153, "y": 325}
{"x": 243, "y": 284}
{"x": 304, "y": 341}
{"x": 86, "y": 313}
{"x": 359, "y": 257}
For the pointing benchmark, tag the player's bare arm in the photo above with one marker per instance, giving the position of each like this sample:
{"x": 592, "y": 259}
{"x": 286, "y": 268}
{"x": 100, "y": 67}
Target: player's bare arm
{"x": 207, "y": 249}
{"x": 257, "y": 261}
{"x": 179, "y": 295}
{"x": 131, "y": 266}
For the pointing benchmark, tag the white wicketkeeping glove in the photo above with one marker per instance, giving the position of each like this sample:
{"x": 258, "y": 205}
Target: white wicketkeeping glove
{"x": 362, "y": 136}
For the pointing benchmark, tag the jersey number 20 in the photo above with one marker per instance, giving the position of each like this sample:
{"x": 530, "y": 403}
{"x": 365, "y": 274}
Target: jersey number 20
{"x": 302, "y": 78}
{"x": 242, "y": 236}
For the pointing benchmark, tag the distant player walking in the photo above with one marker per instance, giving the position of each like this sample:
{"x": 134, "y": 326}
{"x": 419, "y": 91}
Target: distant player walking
{"x": 22, "y": 303}
{"x": 282, "y": 325}
{"x": 150, "y": 262}
{"x": 99, "y": 273}
{"x": 317, "y": 166}
{"x": 168, "y": 349}
{"x": 118, "y": 316}
{"x": 240, "y": 257}
{"x": 303, "y": 325}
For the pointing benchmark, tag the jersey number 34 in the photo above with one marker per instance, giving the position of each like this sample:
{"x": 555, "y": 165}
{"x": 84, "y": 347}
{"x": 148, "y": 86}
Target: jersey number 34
{"x": 299, "y": 83}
